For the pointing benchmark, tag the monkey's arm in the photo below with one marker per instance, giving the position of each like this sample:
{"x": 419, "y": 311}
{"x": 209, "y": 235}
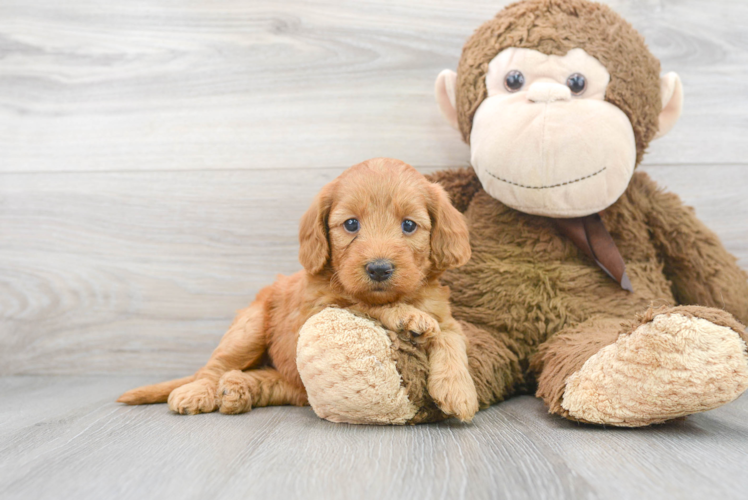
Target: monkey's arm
{"x": 701, "y": 270}
{"x": 461, "y": 184}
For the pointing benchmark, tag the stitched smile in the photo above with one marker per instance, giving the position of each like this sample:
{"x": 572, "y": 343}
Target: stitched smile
{"x": 547, "y": 187}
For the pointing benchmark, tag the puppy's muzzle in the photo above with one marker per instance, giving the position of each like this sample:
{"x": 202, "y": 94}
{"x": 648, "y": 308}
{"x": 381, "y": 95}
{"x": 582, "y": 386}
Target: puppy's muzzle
{"x": 379, "y": 270}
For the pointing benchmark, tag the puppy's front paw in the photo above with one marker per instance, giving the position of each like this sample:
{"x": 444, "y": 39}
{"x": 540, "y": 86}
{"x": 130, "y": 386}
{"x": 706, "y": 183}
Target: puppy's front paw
{"x": 193, "y": 398}
{"x": 233, "y": 393}
{"x": 419, "y": 325}
{"x": 454, "y": 393}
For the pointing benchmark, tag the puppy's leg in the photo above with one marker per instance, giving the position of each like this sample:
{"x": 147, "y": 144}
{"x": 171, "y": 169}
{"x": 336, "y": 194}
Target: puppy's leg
{"x": 241, "y": 347}
{"x": 239, "y": 391}
{"x": 449, "y": 382}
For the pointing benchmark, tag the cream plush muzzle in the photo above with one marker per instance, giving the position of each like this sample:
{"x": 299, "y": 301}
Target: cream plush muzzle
{"x": 552, "y": 158}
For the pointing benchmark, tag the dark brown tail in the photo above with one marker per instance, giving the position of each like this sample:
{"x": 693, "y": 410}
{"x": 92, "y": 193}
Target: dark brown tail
{"x": 156, "y": 393}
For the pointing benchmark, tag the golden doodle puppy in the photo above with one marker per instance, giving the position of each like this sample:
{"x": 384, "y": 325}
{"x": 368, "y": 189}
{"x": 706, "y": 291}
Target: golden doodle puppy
{"x": 375, "y": 240}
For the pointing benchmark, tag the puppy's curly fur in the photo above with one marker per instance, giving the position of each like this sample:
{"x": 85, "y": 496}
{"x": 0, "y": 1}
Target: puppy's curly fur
{"x": 255, "y": 362}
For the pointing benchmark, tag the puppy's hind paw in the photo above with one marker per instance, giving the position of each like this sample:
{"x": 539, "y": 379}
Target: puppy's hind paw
{"x": 233, "y": 393}
{"x": 193, "y": 398}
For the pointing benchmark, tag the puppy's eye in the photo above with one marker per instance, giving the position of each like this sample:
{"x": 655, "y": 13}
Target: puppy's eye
{"x": 409, "y": 226}
{"x": 351, "y": 225}
{"x": 576, "y": 83}
{"x": 514, "y": 80}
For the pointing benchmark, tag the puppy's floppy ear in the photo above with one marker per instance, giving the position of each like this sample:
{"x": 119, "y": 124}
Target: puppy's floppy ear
{"x": 450, "y": 241}
{"x": 314, "y": 249}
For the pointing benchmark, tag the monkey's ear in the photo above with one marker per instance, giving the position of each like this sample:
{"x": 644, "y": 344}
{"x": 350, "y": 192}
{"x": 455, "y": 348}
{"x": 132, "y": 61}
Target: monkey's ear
{"x": 445, "y": 95}
{"x": 314, "y": 249}
{"x": 672, "y": 103}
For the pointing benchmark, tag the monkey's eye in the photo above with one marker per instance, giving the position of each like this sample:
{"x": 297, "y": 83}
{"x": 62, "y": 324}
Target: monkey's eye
{"x": 409, "y": 227}
{"x": 514, "y": 80}
{"x": 351, "y": 225}
{"x": 576, "y": 83}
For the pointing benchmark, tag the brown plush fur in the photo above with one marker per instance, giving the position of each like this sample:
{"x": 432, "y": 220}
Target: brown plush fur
{"x": 538, "y": 308}
{"x": 565, "y": 353}
{"x": 554, "y": 27}
{"x": 536, "y": 305}
{"x": 255, "y": 363}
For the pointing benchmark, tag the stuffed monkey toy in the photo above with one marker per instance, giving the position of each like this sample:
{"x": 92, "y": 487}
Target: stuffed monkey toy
{"x": 588, "y": 286}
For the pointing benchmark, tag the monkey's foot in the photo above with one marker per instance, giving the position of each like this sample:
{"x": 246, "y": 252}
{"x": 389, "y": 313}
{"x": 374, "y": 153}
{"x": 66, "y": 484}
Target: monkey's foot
{"x": 678, "y": 361}
{"x": 347, "y": 365}
{"x": 193, "y": 398}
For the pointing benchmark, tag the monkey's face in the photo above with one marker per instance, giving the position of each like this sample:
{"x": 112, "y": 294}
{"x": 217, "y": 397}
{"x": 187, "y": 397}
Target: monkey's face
{"x": 559, "y": 101}
{"x": 545, "y": 141}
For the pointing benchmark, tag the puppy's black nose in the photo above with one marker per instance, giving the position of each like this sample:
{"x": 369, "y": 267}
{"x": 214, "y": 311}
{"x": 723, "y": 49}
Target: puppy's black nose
{"x": 379, "y": 270}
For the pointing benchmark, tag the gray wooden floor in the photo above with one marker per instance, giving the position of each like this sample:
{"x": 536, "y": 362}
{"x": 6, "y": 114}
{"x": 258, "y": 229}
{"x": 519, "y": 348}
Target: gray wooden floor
{"x": 155, "y": 157}
{"x": 67, "y": 439}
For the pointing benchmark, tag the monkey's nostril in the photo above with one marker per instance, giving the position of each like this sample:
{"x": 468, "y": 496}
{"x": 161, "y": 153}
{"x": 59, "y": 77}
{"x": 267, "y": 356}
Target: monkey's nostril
{"x": 379, "y": 270}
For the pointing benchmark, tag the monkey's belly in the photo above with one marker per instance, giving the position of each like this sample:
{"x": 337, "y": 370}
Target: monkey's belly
{"x": 526, "y": 301}
{"x": 525, "y": 281}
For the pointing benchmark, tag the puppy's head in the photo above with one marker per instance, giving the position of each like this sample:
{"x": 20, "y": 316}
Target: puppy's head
{"x": 382, "y": 230}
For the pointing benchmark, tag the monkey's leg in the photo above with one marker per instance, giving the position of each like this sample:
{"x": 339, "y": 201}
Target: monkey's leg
{"x": 242, "y": 347}
{"x": 495, "y": 368}
{"x": 240, "y": 391}
{"x": 355, "y": 371}
{"x": 669, "y": 363}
